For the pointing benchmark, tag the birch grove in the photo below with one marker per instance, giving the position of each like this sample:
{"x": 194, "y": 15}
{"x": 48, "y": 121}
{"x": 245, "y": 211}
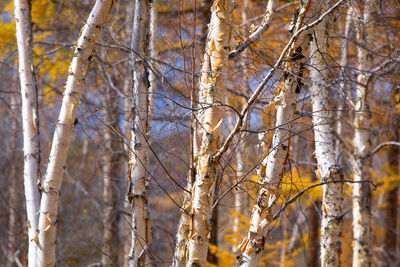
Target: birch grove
{"x": 199, "y": 133}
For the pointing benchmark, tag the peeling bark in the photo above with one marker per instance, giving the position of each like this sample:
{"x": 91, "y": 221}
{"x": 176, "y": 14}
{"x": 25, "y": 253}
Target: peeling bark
{"x": 139, "y": 136}
{"x": 63, "y": 132}
{"x": 273, "y": 165}
{"x": 362, "y": 193}
{"x": 212, "y": 92}
{"x": 30, "y": 125}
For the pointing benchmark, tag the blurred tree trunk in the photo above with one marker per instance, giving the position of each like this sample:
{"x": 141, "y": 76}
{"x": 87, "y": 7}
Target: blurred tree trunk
{"x": 126, "y": 227}
{"x": 139, "y": 139}
{"x": 212, "y": 257}
{"x": 272, "y": 167}
{"x": 63, "y": 132}
{"x": 345, "y": 74}
{"x": 362, "y": 193}
{"x": 13, "y": 190}
{"x": 328, "y": 169}
{"x": 111, "y": 173}
{"x": 212, "y": 91}
{"x": 313, "y": 237}
{"x": 30, "y": 122}
{"x": 239, "y": 195}
{"x": 390, "y": 243}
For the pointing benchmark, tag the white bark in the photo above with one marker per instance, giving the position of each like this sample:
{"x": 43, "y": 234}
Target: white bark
{"x": 213, "y": 91}
{"x": 30, "y": 125}
{"x": 285, "y": 103}
{"x": 139, "y": 152}
{"x": 182, "y": 236}
{"x": 328, "y": 169}
{"x": 63, "y": 132}
{"x": 362, "y": 251}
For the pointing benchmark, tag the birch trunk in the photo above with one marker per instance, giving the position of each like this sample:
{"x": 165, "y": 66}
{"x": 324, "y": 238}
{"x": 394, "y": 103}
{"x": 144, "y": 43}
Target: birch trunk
{"x": 328, "y": 169}
{"x": 273, "y": 165}
{"x": 213, "y": 91}
{"x": 30, "y": 126}
{"x": 139, "y": 155}
{"x": 126, "y": 220}
{"x": 182, "y": 236}
{"x": 362, "y": 253}
{"x": 111, "y": 172}
{"x": 63, "y": 132}
{"x": 239, "y": 197}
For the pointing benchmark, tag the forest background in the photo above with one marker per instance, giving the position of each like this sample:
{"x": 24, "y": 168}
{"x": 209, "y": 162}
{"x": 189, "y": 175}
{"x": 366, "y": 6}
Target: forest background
{"x": 360, "y": 53}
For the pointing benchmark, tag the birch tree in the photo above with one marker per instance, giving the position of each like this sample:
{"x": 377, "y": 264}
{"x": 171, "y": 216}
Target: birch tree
{"x": 182, "y": 236}
{"x": 30, "y": 125}
{"x": 111, "y": 171}
{"x": 273, "y": 165}
{"x": 63, "y": 132}
{"x": 328, "y": 169}
{"x": 139, "y": 152}
{"x": 213, "y": 92}
{"x": 362, "y": 165}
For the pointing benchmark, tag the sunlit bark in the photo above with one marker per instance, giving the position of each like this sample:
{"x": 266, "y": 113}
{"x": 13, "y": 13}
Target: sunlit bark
{"x": 139, "y": 152}
{"x": 213, "y": 92}
{"x": 30, "y": 126}
{"x": 63, "y": 132}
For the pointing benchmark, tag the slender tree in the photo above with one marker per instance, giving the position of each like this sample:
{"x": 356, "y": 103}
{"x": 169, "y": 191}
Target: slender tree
{"x": 63, "y": 132}
{"x": 273, "y": 165}
{"x": 13, "y": 190}
{"x": 139, "y": 141}
{"x": 30, "y": 125}
{"x": 212, "y": 93}
{"x": 182, "y": 236}
{"x": 111, "y": 172}
{"x": 362, "y": 250}
{"x": 328, "y": 169}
